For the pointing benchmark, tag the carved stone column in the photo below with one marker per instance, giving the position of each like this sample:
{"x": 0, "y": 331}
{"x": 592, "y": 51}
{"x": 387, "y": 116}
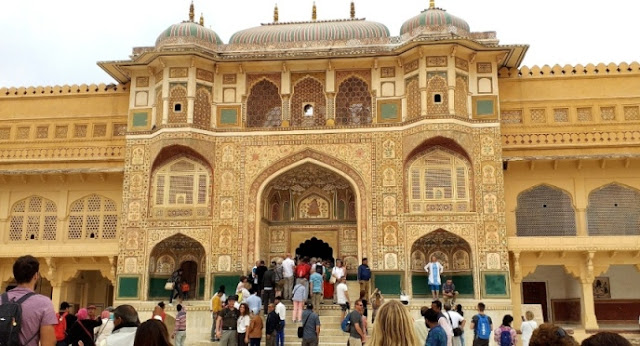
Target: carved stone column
{"x": 589, "y": 320}
{"x": 516, "y": 291}
{"x": 331, "y": 109}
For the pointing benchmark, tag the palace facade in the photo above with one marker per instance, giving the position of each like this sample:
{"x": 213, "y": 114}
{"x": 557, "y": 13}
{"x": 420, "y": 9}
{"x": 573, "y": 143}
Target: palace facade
{"x": 335, "y": 139}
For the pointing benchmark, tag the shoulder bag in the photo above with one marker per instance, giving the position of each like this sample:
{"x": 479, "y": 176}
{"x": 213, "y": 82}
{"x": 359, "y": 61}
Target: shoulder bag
{"x": 301, "y": 329}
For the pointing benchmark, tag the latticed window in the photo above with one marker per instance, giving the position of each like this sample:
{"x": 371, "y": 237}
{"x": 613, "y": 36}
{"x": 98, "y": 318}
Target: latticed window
{"x": 437, "y": 95}
{"x": 308, "y": 103}
{"x": 180, "y": 187}
{"x": 439, "y": 182}
{"x": 614, "y": 210}
{"x": 202, "y": 111}
{"x": 353, "y": 102}
{"x": 414, "y": 104}
{"x": 178, "y": 104}
{"x": 545, "y": 211}
{"x": 264, "y": 105}
{"x": 93, "y": 217}
{"x": 461, "y": 95}
{"x": 33, "y": 218}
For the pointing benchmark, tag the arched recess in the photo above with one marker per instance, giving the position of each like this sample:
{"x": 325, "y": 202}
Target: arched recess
{"x": 353, "y": 102}
{"x": 452, "y": 251}
{"x": 181, "y": 185}
{"x": 264, "y": 105}
{"x": 308, "y": 92}
{"x": 177, "y": 252}
{"x": 614, "y": 209}
{"x": 258, "y": 188}
{"x": 33, "y": 218}
{"x": 93, "y": 217}
{"x": 438, "y": 178}
{"x": 545, "y": 210}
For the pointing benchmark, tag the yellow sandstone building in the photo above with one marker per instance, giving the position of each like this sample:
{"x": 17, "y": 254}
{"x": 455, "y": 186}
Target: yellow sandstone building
{"x": 335, "y": 139}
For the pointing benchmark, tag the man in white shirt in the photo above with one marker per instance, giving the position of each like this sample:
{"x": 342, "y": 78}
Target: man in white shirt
{"x": 443, "y": 321}
{"x": 337, "y": 272}
{"x": 342, "y": 295}
{"x": 281, "y": 310}
{"x": 457, "y": 323}
{"x": 288, "y": 266}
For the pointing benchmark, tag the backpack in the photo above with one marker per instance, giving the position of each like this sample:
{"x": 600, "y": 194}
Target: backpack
{"x": 505, "y": 337}
{"x": 61, "y": 328}
{"x": 346, "y": 323}
{"x": 11, "y": 320}
{"x": 483, "y": 329}
{"x": 301, "y": 271}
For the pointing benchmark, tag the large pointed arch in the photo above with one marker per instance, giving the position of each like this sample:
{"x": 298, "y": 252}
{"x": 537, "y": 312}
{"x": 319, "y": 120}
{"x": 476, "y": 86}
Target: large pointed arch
{"x": 306, "y": 156}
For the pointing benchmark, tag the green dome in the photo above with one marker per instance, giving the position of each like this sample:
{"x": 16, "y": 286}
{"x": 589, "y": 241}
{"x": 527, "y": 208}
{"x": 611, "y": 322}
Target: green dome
{"x": 188, "y": 33}
{"x": 435, "y": 19}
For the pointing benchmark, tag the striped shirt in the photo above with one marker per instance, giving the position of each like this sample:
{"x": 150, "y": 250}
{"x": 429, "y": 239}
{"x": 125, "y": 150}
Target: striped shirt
{"x": 181, "y": 321}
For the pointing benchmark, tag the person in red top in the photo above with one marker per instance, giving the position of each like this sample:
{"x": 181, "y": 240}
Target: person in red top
{"x": 158, "y": 312}
{"x": 303, "y": 271}
{"x": 185, "y": 290}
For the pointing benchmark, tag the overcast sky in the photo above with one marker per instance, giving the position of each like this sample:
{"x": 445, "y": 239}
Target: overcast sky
{"x": 46, "y": 42}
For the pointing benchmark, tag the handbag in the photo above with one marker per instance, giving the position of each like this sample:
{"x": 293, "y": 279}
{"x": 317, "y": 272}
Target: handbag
{"x": 457, "y": 331}
{"x": 169, "y": 285}
{"x": 301, "y": 329}
{"x": 333, "y": 280}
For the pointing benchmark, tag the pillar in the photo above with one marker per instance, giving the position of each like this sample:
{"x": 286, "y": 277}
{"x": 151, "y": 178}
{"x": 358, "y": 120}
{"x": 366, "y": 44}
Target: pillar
{"x": 56, "y": 293}
{"x": 589, "y": 321}
{"x": 516, "y": 291}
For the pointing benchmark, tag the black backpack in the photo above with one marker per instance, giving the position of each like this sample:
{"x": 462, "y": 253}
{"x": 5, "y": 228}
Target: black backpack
{"x": 11, "y": 320}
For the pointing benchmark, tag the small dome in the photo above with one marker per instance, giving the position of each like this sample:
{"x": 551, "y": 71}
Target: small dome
{"x": 294, "y": 32}
{"x": 188, "y": 33}
{"x": 435, "y": 19}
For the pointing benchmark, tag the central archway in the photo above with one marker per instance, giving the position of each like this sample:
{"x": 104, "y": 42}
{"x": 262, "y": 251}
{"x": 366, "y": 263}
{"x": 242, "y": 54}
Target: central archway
{"x": 315, "y": 247}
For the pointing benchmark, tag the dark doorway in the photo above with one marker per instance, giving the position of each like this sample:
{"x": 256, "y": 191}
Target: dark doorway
{"x": 536, "y": 293}
{"x": 190, "y": 275}
{"x": 315, "y": 247}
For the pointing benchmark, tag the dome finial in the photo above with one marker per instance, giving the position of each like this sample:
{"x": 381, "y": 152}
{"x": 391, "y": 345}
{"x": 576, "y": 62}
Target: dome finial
{"x": 314, "y": 12}
{"x": 353, "y": 10}
{"x": 432, "y": 4}
{"x": 201, "y": 19}
{"x": 275, "y": 14}
{"x": 191, "y": 12}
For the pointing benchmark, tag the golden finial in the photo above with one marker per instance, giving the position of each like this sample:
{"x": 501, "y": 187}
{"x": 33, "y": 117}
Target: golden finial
{"x": 191, "y": 12}
{"x": 353, "y": 10}
{"x": 314, "y": 13}
{"x": 432, "y": 4}
{"x": 275, "y": 14}
{"x": 201, "y": 19}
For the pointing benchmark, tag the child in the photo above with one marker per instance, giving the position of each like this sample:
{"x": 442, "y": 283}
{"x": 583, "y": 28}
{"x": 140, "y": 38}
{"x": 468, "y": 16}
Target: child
{"x": 185, "y": 290}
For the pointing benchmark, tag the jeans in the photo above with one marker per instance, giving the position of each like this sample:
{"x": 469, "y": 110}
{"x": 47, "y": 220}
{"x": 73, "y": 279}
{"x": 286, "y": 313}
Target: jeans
{"x": 280, "y": 338}
{"x": 268, "y": 296}
{"x": 172, "y": 296}
{"x": 254, "y": 341}
{"x": 180, "y": 336}
{"x": 213, "y": 327}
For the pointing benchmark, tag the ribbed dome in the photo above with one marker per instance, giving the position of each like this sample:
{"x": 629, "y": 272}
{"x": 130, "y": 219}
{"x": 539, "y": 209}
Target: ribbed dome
{"x": 188, "y": 33}
{"x": 331, "y": 30}
{"x": 435, "y": 19}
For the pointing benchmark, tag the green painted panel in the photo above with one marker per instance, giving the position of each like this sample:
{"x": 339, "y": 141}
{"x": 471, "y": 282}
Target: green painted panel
{"x": 463, "y": 282}
{"x": 156, "y": 288}
{"x": 128, "y": 287}
{"x": 229, "y": 281}
{"x": 352, "y": 277}
{"x": 495, "y": 284}
{"x": 140, "y": 119}
{"x": 389, "y": 111}
{"x": 228, "y": 116}
{"x": 201, "y": 287}
{"x": 388, "y": 283}
{"x": 484, "y": 107}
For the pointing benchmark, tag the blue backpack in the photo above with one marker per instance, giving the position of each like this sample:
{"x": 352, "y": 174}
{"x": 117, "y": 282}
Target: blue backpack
{"x": 505, "y": 337}
{"x": 483, "y": 329}
{"x": 346, "y": 323}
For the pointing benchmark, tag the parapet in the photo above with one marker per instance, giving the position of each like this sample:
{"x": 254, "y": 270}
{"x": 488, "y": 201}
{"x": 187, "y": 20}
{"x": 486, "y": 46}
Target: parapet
{"x": 63, "y": 90}
{"x": 568, "y": 70}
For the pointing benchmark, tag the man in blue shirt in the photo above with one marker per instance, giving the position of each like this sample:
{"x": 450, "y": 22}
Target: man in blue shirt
{"x": 254, "y": 302}
{"x": 364, "y": 275}
{"x": 316, "y": 288}
{"x": 437, "y": 335}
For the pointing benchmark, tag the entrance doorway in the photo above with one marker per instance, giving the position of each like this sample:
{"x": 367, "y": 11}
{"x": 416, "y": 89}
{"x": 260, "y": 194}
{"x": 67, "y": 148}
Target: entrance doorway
{"x": 315, "y": 247}
{"x": 536, "y": 293}
{"x": 190, "y": 275}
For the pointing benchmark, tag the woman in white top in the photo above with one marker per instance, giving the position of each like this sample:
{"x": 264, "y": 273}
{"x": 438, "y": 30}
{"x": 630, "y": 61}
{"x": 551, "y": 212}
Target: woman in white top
{"x": 243, "y": 322}
{"x": 527, "y": 328}
{"x": 336, "y": 274}
{"x": 101, "y": 332}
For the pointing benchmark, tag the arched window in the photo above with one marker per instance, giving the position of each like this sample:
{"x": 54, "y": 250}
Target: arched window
{"x": 93, "y": 217}
{"x": 264, "y": 105}
{"x": 33, "y": 218}
{"x": 614, "y": 210}
{"x": 308, "y": 103}
{"x": 181, "y": 189}
{"x": 439, "y": 181}
{"x": 545, "y": 211}
{"x": 353, "y": 102}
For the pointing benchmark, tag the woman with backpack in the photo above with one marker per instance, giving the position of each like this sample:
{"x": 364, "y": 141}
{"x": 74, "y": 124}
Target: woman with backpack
{"x": 82, "y": 329}
{"x": 505, "y": 335}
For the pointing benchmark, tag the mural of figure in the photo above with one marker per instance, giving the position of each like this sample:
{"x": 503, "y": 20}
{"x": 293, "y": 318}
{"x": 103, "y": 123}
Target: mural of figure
{"x": 314, "y": 209}
{"x": 417, "y": 259}
{"x": 461, "y": 260}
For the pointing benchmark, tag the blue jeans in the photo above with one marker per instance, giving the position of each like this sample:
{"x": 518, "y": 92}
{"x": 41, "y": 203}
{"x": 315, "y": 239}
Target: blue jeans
{"x": 280, "y": 336}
